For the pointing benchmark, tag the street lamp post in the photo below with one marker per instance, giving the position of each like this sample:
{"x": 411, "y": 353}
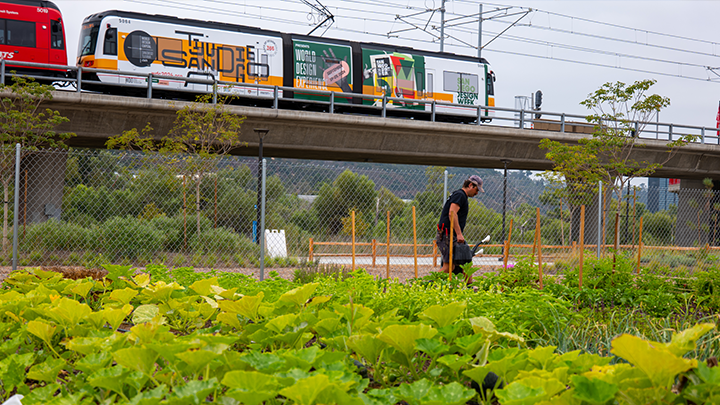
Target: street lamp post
{"x": 261, "y": 132}
{"x": 505, "y": 163}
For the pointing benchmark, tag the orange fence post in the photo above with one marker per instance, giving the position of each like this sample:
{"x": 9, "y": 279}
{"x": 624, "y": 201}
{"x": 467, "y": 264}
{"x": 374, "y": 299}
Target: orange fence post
{"x": 387, "y": 263}
{"x": 539, "y": 248}
{"x": 352, "y": 219}
{"x": 582, "y": 245}
{"x": 434, "y": 253}
{"x": 374, "y": 250}
{"x": 507, "y": 245}
{"x": 310, "y": 251}
{"x": 415, "y": 242}
{"x": 450, "y": 255}
{"x": 639, "y": 245}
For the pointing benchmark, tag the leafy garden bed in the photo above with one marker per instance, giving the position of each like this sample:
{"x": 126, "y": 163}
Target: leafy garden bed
{"x": 179, "y": 337}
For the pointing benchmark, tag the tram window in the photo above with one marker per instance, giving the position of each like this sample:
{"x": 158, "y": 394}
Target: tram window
{"x": 110, "y": 43}
{"x": 2, "y": 32}
{"x": 20, "y": 33}
{"x": 491, "y": 83}
{"x": 430, "y": 85}
{"x": 56, "y": 35}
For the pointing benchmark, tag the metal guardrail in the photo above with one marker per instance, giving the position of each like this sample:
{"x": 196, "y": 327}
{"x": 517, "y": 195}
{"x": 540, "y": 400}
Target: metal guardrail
{"x": 519, "y": 119}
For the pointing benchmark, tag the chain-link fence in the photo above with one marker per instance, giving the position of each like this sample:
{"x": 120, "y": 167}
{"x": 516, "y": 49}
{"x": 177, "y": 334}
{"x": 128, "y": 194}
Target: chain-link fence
{"x": 92, "y": 207}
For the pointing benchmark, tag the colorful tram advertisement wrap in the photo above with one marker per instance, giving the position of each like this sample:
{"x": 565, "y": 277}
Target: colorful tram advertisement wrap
{"x": 322, "y": 66}
{"x": 169, "y": 46}
{"x": 428, "y": 77}
{"x": 32, "y": 31}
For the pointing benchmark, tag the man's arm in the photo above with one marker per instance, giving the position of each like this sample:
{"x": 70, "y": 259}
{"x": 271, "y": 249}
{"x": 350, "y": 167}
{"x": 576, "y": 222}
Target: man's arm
{"x": 453, "y": 214}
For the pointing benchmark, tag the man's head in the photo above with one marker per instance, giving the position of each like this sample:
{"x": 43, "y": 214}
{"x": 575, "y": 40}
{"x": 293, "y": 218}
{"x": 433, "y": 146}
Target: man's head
{"x": 473, "y": 185}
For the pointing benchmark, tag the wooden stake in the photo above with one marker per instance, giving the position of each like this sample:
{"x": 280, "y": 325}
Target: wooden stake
{"x": 617, "y": 233}
{"x": 562, "y": 227}
{"x": 539, "y": 248}
{"x": 582, "y": 245}
{"x": 415, "y": 242}
{"x": 387, "y": 250}
{"x": 639, "y": 245}
{"x": 434, "y": 253}
{"x": 310, "y": 251}
{"x": 374, "y": 251}
{"x": 352, "y": 218}
{"x": 450, "y": 254}
{"x": 634, "y": 213}
{"x": 507, "y": 245}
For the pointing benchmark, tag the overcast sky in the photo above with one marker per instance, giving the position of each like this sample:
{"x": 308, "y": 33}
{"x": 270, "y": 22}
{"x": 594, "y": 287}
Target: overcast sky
{"x": 670, "y": 41}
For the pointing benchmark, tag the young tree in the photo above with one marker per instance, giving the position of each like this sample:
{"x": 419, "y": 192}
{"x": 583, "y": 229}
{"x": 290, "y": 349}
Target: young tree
{"x": 620, "y": 114}
{"x": 202, "y": 134}
{"x": 24, "y": 121}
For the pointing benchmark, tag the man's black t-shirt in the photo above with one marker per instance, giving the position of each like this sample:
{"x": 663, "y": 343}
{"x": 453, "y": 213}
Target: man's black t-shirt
{"x": 461, "y": 199}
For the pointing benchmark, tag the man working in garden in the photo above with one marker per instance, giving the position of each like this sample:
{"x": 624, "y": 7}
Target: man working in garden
{"x": 456, "y": 206}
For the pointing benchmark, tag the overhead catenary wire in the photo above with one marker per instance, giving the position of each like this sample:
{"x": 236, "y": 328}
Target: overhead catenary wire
{"x": 376, "y": 16}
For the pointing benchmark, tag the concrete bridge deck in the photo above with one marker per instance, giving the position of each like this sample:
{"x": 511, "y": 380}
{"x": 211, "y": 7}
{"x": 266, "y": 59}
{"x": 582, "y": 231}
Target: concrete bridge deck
{"x": 349, "y": 137}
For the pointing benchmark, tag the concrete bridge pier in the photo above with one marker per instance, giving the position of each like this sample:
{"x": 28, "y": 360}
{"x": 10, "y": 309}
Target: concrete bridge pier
{"x": 41, "y": 194}
{"x": 697, "y": 221}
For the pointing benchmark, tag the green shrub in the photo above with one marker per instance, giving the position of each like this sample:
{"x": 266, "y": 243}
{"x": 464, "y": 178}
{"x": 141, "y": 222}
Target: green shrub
{"x": 59, "y": 235}
{"x": 218, "y": 240}
{"x": 130, "y": 237}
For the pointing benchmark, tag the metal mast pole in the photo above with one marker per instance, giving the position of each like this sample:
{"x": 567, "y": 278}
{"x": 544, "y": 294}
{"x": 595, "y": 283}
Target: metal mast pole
{"x": 505, "y": 163}
{"x": 480, "y": 33}
{"x": 442, "y": 27}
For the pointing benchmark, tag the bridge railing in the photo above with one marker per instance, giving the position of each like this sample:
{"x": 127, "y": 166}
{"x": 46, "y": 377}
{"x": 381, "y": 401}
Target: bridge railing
{"x": 331, "y": 102}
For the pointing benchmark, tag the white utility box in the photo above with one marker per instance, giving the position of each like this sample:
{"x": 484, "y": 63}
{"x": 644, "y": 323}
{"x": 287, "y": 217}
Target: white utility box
{"x": 275, "y": 245}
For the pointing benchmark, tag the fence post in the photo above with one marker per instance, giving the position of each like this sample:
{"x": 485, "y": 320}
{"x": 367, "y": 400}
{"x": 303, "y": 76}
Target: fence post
{"x": 261, "y": 231}
{"x": 384, "y": 105}
{"x": 522, "y": 119}
{"x": 562, "y": 122}
{"x": 79, "y": 78}
{"x": 149, "y": 90}
{"x": 215, "y": 90}
{"x": 670, "y": 132}
{"x": 332, "y": 102}
{"x": 275, "y": 97}
{"x": 15, "y": 208}
{"x": 444, "y": 196}
{"x": 374, "y": 251}
{"x": 310, "y": 251}
{"x": 479, "y": 114}
{"x": 2, "y": 71}
{"x": 702, "y": 135}
{"x": 432, "y": 118}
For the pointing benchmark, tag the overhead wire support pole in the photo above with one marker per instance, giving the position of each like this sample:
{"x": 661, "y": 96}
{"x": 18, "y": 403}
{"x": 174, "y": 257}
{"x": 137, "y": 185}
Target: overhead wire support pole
{"x": 509, "y": 26}
{"x": 442, "y": 26}
{"x": 480, "y": 19}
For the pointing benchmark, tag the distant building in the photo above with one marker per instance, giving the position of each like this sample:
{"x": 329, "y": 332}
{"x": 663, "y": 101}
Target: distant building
{"x": 659, "y": 197}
